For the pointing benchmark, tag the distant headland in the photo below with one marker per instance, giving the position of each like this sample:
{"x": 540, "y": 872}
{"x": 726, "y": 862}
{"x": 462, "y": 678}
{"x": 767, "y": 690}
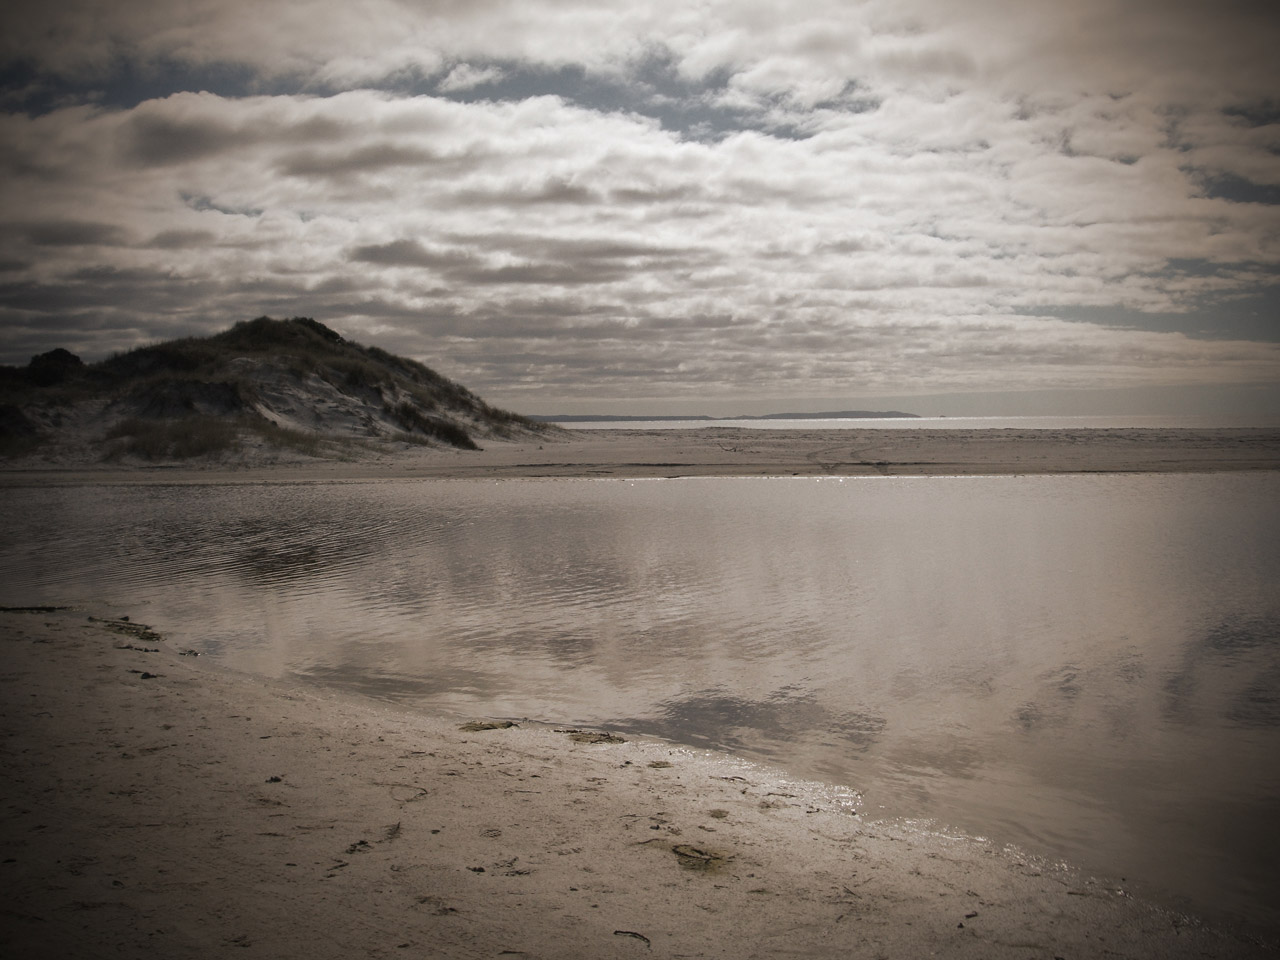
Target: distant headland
{"x": 703, "y": 418}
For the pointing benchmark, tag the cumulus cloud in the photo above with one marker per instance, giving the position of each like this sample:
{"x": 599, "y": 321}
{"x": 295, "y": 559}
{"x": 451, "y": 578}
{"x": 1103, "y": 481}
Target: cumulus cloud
{"x": 466, "y": 77}
{"x": 559, "y": 201}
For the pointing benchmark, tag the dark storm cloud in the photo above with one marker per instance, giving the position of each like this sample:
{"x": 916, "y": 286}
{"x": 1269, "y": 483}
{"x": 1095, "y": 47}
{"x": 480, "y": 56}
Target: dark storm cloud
{"x": 409, "y": 253}
{"x": 372, "y": 158}
{"x": 548, "y": 260}
{"x": 557, "y": 274}
{"x": 158, "y": 140}
{"x": 143, "y": 291}
{"x": 164, "y": 133}
{"x": 581, "y": 248}
{"x": 74, "y": 233}
{"x": 182, "y": 239}
{"x": 548, "y": 190}
{"x": 657, "y": 195}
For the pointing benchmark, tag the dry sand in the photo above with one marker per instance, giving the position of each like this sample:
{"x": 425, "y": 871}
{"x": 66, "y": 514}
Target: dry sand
{"x": 728, "y": 451}
{"x": 156, "y": 805}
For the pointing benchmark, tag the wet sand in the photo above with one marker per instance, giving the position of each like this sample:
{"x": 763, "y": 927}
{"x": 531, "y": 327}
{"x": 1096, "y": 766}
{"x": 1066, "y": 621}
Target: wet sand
{"x": 728, "y": 451}
{"x": 156, "y": 804}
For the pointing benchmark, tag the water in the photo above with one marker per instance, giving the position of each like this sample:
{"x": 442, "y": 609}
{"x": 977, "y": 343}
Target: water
{"x": 1085, "y": 666}
{"x": 1161, "y": 422}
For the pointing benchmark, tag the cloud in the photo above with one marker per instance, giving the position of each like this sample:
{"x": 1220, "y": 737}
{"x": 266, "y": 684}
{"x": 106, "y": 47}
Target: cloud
{"x": 182, "y": 239}
{"x": 74, "y": 233}
{"x": 744, "y": 198}
{"x": 466, "y": 77}
{"x": 1184, "y": 49}
{"x": 369, "y": 158}
{"x": 404, "y": 253}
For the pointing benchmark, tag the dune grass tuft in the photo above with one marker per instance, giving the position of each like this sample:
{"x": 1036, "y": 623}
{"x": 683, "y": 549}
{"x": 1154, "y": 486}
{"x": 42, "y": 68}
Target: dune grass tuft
{"x": 184, "y": 439}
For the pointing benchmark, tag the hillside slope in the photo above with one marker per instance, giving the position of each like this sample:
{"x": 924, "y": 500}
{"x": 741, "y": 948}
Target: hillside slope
{"x": 263, "y": 390}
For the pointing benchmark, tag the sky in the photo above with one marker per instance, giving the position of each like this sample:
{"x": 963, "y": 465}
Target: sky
{"x": 663, "y": 207}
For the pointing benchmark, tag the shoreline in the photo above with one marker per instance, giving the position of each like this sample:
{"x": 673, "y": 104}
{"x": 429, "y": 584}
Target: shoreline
{"x": 161, "y": 805}
{"x": 732, "y": 451}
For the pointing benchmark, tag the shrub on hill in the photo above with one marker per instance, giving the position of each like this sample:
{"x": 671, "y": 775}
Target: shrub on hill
{"x": 53, "y": 367}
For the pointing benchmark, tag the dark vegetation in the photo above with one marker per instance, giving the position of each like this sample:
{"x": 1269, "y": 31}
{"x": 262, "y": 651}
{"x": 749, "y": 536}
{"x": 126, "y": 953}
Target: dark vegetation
{"x": 18, "y": 435}
{"x": 286, "y": 384}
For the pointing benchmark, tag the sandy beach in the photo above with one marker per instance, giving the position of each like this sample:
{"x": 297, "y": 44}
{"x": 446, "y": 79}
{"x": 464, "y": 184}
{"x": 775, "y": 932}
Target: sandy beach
{"x": 158, "y": 805}
{"x": 730, "y": 451}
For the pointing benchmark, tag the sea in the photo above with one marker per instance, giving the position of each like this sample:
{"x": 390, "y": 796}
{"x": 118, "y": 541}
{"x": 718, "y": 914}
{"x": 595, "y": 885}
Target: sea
{"x": 1085, "y": 667}
{"x": 1113, "y": 422}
